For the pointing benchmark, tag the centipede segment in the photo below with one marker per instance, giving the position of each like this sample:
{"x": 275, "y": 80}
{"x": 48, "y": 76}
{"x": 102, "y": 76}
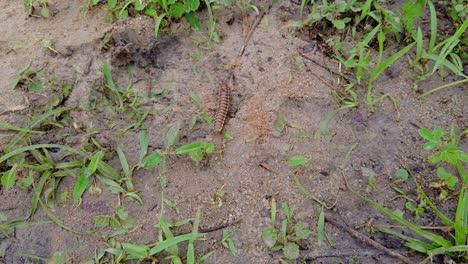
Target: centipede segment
{"x": 223, "y": 107}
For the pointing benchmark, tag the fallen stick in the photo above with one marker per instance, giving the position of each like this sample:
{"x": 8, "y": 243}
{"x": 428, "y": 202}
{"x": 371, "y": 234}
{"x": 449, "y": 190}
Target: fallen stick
{"x": 310, "y": 255}
{"x": 349, "y": 79}
{"x": 367, "y": 240}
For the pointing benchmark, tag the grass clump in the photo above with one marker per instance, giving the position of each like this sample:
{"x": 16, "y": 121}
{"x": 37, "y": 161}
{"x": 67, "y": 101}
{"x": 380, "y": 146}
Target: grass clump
{"x": 449, "y": 159}
{"x": 373, "y": 25}
{"x": 288, "y": 237}
{"x": 166, "y": 248}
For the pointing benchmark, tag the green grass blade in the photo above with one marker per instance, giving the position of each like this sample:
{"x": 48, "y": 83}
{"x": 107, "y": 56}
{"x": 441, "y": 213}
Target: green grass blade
{"x": 143, "y": 145}
{"x": 94, "y": 163}
{"x": 308, "y": 194}
{"x": 126, "y": 169}
{"x": 191, "y": 247}
{"x": 439, "y": 240}
{"x": 35, "y": 123}
{"x": 107, "y": 171}
{"x": 381, "y": 67}
{"x": 158, "y": 24}
{"x": 411, "y": 243}
{"x": 421, "y": 192}
{"x": 433, "y": 26}
{"x": 173, "y": 241}
{"x": 38, "y": 146}
{"x": 419, "y": 45}
{"x": 381, "y": 40}
{"x": 19, "y": 129}
{"x": 59, "y": 222}
{"x": 106, "y": 71}
{"x": 81, "y": 184}
{"x": 195, "y": 99}
{"x": 448, "y": 85}
{"x": 461, "y": 218}
{"x": 205, "y": 257}
{"x": 37, "y": 192}
{"x": 273, "y": 211}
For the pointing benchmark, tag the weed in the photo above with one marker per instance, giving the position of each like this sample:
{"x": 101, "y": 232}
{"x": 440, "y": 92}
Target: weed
{"x": 30, "y": 6}
{"x": 227, "y": 242}
{"x": 120, "y": 219}
{"x": 196, "y": 150}
{"x": 47, "y": 43}
{"x": 167, "y": 243}
{"x": 286, "y": 238}
{"x": 201, "y": 114}
{"x": 161, "y": 10}
{"x": 447, "y": 154}
{"x": 281, "y": 124}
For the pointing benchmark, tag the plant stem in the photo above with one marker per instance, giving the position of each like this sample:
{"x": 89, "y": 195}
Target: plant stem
{"x": 442, "y": 87}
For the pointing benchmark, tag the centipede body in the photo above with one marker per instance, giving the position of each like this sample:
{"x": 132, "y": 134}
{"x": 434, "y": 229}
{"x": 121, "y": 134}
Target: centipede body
{"x": 224, "y": 100}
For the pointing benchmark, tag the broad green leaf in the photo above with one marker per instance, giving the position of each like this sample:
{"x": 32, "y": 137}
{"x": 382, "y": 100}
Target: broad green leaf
{"x": 402, "y": 174}
{"x": 152, "y": 160}
{"x": 101, "y": 221}
{"x": 81, "y": 185}
{"x": 189, "y": 148}
{"x": 302, "y": 231}
{"x": 209, "y": 148}
{"x": 170, "y": 138}
{"x": 176, "y": 10}
{"x": 196, "y": 155}
{"x": 280, "y": 124}
{"x": 339, "y": 24}
{"x": 9, "y": 178}
{"x": 151, "y": 12}
{"x": 291, "y": 251}
{"x": 193, "y": 5}
{"x": 93, "y": 164}
{"x": 45, "y": 12}
{"x": 194, "y": 22}
{"x": 173, "y": 241}
{"x": 136, "y": 251}
{"x": 297, "y": 161}
{"x": 123, "y": 161}
{"x": 270, "y": 236}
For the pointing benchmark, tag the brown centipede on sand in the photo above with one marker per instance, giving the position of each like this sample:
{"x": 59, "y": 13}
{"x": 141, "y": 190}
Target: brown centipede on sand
{"x": 223, "y": 107}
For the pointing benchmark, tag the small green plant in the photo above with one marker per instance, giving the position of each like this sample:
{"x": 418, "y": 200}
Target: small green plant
{"x": 286, "y": 238}
{"x": 446, "y": 153}
{"x": 167, "y": 246}
{"x": 161, "y": 10}
{"x": 201, "y": 114}
{"x": 281, "y": 124}
{"x": 31, "y": 5}
{"x": 196, "y": 150}
{"x": 120, "y": 219}
{"x": 227, "y": 242}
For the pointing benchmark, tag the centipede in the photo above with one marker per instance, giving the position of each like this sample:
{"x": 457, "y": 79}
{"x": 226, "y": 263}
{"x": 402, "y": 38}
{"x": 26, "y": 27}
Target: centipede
{"x": 224, "y": 96}
{"x": 224, "y": 101}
